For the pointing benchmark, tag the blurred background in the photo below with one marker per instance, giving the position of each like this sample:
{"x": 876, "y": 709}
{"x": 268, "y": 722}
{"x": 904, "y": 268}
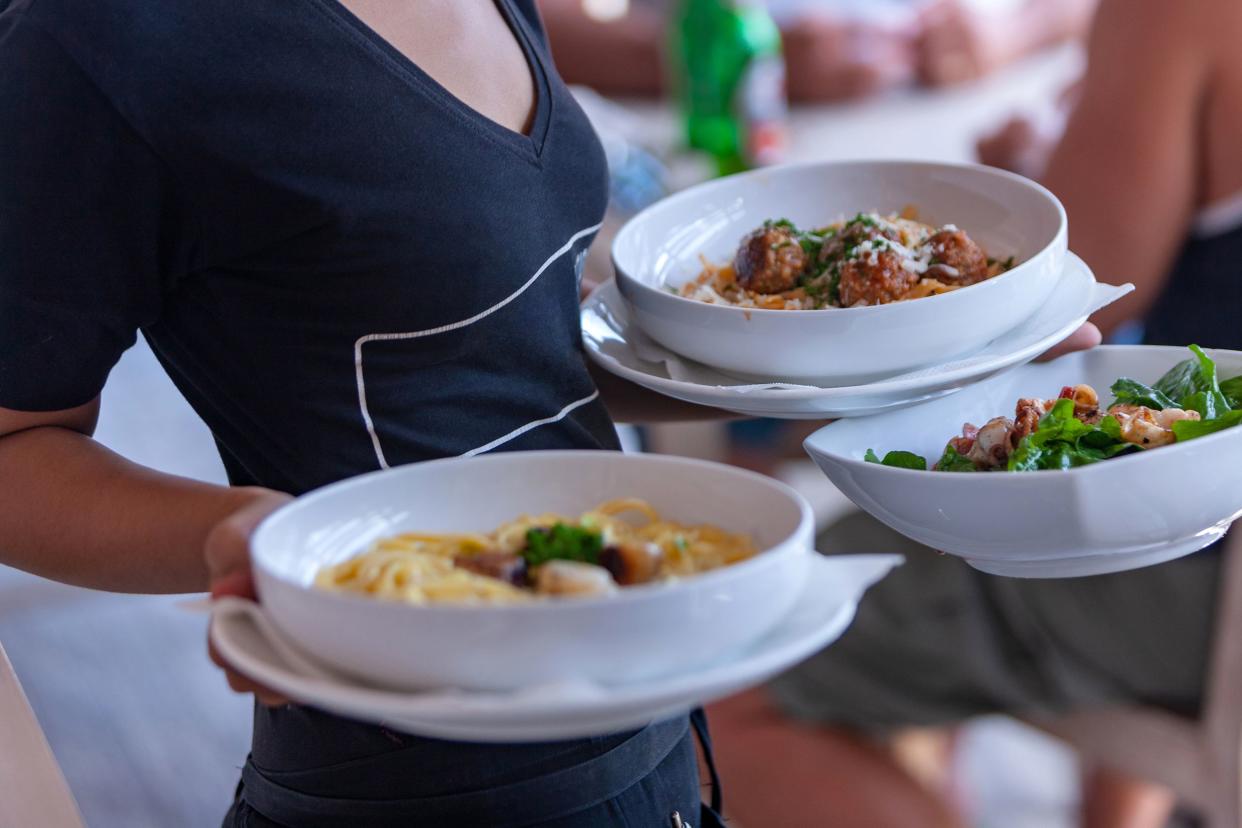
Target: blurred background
{"x": 145, "y": 728}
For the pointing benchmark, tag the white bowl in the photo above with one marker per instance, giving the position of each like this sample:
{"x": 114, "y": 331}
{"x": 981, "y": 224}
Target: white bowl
{"x": 639, "y": 633}
{"x": 1005, "y": 213}
{"x": 1119, "y": 514}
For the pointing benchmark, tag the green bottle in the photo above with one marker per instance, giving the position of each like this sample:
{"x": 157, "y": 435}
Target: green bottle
{"x": 730, "y": 81}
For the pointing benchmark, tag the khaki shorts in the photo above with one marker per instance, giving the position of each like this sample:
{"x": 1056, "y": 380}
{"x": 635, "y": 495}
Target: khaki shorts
{"x": 937, "y": 642}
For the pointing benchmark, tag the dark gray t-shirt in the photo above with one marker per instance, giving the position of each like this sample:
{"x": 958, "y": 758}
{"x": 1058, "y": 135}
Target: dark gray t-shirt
{"x": 340, "y": 265}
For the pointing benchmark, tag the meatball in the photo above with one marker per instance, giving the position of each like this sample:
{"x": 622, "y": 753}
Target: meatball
{"x": 956, "y": 260}
{"x": 769, "y": 260}
{"x": 875, "y": 279}
{"x": 852, "y": 235}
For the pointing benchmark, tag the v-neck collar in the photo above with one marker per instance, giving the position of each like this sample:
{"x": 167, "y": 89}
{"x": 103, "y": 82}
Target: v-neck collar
{"x": 528, "y": 146}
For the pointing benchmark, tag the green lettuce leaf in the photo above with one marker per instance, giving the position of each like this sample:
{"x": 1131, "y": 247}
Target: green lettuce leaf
{"x": 1191, "y": 384}
{"x": 1195, "y": 385}
{"x": 1133, "y": 392}
{"x": 898, "y": 459}
{"x": 1062, "y": 441}
{"x": 954, "y": 461}
{"x": 1182, "y": 380}
{"x": 1232, "y": 389}
{"x": 1190, "y": 429}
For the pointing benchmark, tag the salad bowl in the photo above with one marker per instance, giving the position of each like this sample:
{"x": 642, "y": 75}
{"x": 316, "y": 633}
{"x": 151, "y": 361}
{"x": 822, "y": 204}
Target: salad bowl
{"x": 1133, "y": 510}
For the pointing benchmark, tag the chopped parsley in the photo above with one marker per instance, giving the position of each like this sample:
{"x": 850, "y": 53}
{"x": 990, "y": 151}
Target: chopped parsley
{"x": 562, "y": 542}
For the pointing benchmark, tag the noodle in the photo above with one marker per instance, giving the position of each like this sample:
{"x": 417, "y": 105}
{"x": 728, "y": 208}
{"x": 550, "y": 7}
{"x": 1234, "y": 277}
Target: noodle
{"x": 418, "y": 568}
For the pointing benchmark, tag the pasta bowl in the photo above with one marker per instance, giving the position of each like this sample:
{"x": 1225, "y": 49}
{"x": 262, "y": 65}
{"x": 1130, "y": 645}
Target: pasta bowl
{"x": 637, "y": 633}
{"x": 1118, "y": 514}
{"x": 664, "y": 246}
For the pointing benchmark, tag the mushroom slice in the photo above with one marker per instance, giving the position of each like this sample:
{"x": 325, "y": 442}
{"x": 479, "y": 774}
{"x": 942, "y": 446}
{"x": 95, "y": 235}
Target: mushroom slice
{"x": 573, "y": 578}
{"x": 632, "y": 563}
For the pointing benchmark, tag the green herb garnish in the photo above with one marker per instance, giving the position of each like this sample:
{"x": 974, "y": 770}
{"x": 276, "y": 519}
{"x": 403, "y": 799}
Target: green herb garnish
{"x": 562, "y": 542}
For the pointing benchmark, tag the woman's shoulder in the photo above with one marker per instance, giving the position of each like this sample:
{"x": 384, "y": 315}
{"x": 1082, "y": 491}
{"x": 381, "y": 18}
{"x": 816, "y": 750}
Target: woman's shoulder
{"x": 126, "y": 42}
{"x": 73, "y": 23}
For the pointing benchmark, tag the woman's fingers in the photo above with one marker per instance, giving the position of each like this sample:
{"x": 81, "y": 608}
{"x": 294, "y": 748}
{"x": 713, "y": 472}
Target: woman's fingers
{"x": 227, "y": 548}
{"x": 1083, "y": 339}
{"x": 239, "y": 683}
{"x": 227, "y": 551}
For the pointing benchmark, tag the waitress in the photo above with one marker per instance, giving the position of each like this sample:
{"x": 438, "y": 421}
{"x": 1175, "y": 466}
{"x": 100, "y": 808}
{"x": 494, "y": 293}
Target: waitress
{"x": 352, "y": 233}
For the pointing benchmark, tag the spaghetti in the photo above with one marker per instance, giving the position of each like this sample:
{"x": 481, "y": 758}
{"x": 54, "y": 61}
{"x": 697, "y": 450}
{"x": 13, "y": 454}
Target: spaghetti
{"x": 867, "y": 260}
{"x": 620, "y": 542}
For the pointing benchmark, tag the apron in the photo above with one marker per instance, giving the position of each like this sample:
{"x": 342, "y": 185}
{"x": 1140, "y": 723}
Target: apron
{"x": 626, "y": 784}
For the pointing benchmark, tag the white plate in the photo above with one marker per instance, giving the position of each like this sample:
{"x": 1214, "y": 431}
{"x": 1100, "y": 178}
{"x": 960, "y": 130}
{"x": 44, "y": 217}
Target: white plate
{"x": 614, "y": 343}
{"x": 1118, "y": 514}
{"x": 634, "y": 633}
{"x": 247, "y": 639}
{"x": 663, "y": 246}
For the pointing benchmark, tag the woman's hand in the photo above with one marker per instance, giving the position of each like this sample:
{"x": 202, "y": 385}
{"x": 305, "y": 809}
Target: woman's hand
{"x": 227, "y": 551}
{"x": 1016, "y": 146}
{"x": 1083, "y": 339}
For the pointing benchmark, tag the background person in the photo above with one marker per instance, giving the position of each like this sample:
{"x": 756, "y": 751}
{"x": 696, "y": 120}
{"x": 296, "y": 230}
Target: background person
{"x": 1151, "y": 176}
{"x": 834, "y": 49}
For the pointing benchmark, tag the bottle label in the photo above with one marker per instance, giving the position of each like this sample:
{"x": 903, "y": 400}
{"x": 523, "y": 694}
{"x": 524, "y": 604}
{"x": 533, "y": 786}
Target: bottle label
{"x": 762, "y": 110}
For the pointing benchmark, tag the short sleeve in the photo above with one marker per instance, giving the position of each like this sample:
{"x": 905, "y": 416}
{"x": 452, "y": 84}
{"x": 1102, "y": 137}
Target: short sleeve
{"x": 89, "y": 237}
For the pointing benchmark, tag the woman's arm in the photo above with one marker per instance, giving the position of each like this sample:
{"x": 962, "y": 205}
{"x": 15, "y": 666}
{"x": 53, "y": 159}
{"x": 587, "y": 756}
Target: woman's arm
{"x": 74, "y": 511}
{"x": 1128, "y": 167}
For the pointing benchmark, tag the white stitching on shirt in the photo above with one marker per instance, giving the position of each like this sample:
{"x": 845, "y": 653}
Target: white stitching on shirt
{"x": 518, "y": 432}
{"x": 452, "y": 326}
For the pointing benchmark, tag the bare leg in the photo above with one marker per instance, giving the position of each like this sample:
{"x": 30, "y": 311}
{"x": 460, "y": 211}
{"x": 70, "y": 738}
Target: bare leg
{"x": 1115, "y": 800}
{"x": 779, "y": 772}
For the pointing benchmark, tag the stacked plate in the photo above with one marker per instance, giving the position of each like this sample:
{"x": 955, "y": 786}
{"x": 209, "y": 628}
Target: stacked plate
{"x": 837, "y": 362}
{"x": 908, "y": 374}
{"x": 552, "y": 668}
